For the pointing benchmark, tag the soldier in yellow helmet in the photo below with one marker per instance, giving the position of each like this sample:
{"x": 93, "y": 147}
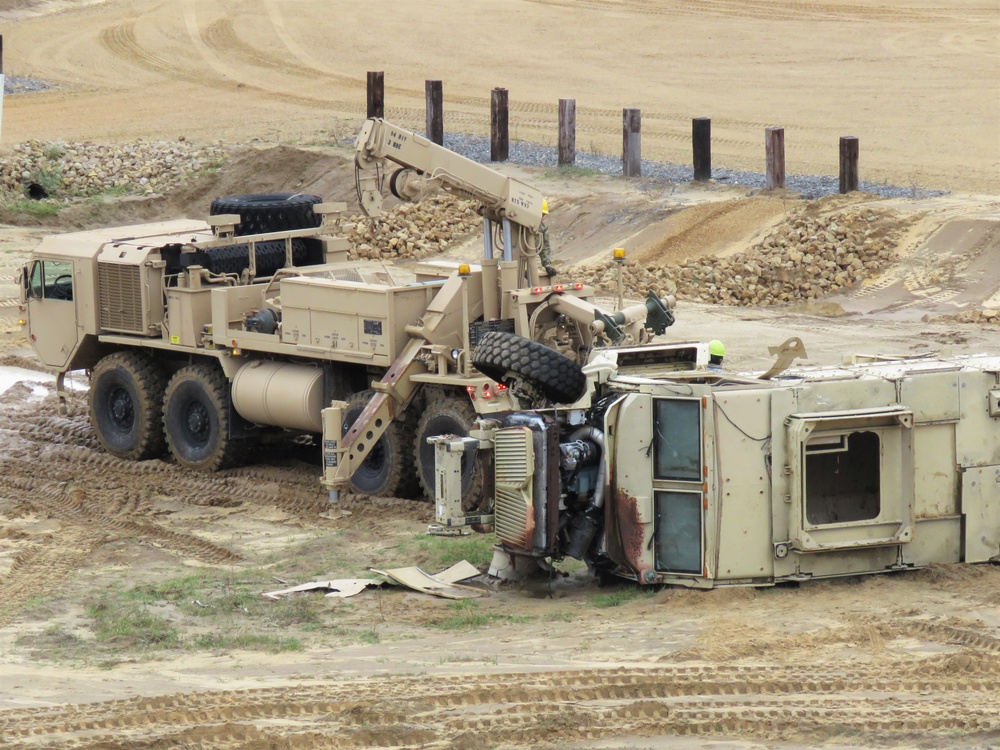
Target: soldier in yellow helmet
{"x": 545, "y": 253}
{"x": 716, "y": 353}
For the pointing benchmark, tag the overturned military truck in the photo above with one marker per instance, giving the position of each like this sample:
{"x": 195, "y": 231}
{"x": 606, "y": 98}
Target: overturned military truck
{"x": 665, "y": 472}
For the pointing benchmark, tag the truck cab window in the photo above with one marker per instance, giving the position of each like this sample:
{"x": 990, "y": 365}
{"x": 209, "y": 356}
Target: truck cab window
{"x": 843, "y": 478}
{"x": 677, "y": 429}
{"x": 51, "y": 279}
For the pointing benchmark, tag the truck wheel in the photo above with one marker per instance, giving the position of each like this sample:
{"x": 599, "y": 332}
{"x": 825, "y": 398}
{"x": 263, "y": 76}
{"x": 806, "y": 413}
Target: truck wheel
{"x": 196, "y": 419}
{"x": 126, "y": 405}
{"x": 559, "y": 378}
{"x": 269, "y": 212}
{"x": 450, "y": 415}
{"x": 386, "y": 472}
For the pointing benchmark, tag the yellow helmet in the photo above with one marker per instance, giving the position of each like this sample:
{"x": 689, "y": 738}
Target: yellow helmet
{"x": 545, "y": 206}
{"x": 716, "y": 348}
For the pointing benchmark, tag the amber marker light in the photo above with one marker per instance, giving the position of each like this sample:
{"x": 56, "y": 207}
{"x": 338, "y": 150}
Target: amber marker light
{"x": 464, "y": 269}
{"x": 618, "y": 253}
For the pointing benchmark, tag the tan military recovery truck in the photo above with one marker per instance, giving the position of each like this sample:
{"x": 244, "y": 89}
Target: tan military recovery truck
{"x": 666, "y": 472}
{"x": 202, "y": 338}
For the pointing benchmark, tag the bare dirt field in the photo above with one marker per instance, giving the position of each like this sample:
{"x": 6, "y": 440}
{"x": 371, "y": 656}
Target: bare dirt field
{"x": 131, "y": 613}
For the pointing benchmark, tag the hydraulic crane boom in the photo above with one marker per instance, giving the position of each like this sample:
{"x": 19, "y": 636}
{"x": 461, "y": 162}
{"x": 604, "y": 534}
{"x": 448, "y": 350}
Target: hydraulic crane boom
{"x": 428, "y": 168}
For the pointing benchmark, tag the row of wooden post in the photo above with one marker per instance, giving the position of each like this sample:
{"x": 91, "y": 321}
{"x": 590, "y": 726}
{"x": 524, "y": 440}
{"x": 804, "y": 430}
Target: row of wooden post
{"x": 701, "y": 136}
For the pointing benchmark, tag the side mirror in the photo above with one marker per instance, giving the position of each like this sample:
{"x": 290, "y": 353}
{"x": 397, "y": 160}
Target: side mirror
{"x": 21, "y": 276}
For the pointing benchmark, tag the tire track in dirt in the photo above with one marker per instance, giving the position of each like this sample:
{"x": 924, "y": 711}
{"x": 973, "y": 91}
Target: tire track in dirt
{"x": 71, "y": 503}
{"x": 756, "y": 10}
{"x": 120, "y": 40}
{"x": 40, "y": 569}
{"x": 764, "y": 701}
{"x": 221, "y": 37}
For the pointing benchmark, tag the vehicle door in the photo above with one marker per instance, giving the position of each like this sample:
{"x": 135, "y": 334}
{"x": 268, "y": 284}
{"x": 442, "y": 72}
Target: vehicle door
{"x": 48, "y": 289}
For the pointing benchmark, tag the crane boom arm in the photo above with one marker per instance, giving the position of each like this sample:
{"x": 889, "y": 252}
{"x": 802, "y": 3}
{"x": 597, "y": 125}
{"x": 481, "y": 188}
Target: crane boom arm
{"x": 428, "y": 167}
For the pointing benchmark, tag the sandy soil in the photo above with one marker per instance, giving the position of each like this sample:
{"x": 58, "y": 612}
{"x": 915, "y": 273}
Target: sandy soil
{"x": 898, "y": 661}
{"x": 916, "y": 82}
{"x": 894, "y": 661}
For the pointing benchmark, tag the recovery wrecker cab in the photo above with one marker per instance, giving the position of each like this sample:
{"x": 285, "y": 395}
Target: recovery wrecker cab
{"x": 203, "y": 337}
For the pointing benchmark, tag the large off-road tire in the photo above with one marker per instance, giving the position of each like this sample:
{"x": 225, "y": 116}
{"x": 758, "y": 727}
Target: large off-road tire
{"x": 126, "y": 405}
{"x": 559, "y": 378}
{"x": 269, "y": 212}
{"x": 450, "y": 415}
{"x": 196, "y": 419}
{"x": 386, "y": 472}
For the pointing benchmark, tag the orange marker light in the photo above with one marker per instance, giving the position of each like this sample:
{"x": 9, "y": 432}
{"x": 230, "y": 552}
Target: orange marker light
{"x": 578, "y": 286}
{"x": 536, "y": 290}
{"x": 558, "y": 288}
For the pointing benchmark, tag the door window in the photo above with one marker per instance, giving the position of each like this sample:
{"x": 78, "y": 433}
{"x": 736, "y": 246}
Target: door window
{"x": 51, "y": 279}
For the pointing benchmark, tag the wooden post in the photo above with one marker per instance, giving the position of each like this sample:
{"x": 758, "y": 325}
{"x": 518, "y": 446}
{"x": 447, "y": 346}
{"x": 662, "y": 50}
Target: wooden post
{"x": 774, "y": 153}
{"x": 499, "y": 130}
{"x": 567, "y": 132}
{"x": 701, "y": 146}
{"x": 435, "y": 112}
{"x": 631, "y": 142}
{"x": 376, "y": 93}
{"x": 2, "y": 82}
{"x": 849, "y": 151}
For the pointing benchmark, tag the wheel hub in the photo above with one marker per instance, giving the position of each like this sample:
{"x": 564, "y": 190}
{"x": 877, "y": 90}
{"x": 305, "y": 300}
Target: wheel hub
{"x": 198, "y": 422}
{"x": 122, "y": 412}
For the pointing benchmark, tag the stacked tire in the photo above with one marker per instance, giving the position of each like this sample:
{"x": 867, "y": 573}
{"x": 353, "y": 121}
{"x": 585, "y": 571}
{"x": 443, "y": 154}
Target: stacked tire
{"x": 269, "y": 212}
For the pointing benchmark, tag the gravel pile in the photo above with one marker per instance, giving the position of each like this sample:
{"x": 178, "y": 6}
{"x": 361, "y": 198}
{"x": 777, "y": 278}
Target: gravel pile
{"x": 805, "y": 258}
{"x": 412, "y": 230}
{"x": 809, "y": 186}
{"x": 21, "y": 85}
{"x": 73, "y": 169}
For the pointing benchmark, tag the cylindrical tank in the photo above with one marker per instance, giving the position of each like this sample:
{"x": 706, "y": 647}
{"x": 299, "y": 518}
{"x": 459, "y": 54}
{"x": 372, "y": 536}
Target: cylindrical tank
{"x": 280, "y": 394}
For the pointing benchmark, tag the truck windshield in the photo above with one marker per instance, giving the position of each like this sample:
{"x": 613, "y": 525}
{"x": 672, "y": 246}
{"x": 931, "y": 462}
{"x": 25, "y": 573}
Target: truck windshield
{"x": 51, "y": 279}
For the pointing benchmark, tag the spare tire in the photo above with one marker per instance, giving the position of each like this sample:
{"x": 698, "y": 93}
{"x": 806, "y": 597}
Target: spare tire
{"x": 559, "y": 378}
{"x": 269, "y": 212}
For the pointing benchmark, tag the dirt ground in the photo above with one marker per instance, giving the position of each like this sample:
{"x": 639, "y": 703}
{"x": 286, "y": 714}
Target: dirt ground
{"x": 916, "y": 82}
{"x": 131, "y": 613}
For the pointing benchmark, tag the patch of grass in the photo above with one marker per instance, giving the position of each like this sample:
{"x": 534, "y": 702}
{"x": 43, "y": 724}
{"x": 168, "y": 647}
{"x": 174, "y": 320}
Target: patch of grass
{"x": 48, "y": 178}
{"x": 560, "y": 616}
{"x": 469, "y": 617}
{"x": 236, "y": 595}
{"x": 246, "y": 641}
{"x": 439, "y": 552}
{"x": 370, "y": 637}
{"x": 39, "y": 209}
{"x": 55, "y": 642}
{"x": 116, "y": 191}
{"x": 570, "y": 170}
{"x": 131, "y": 626}
{"x": 618, "y": 598}
{"x": 54, "y": 151}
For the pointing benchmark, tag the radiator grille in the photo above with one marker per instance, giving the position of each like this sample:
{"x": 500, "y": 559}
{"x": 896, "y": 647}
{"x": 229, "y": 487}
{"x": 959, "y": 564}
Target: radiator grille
{"x": 513, "y": 470}
{"x": 120, "y": 298}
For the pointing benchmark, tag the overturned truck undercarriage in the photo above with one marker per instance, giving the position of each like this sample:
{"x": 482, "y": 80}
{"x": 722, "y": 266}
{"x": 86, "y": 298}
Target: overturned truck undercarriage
{"x": 665, "y": 472}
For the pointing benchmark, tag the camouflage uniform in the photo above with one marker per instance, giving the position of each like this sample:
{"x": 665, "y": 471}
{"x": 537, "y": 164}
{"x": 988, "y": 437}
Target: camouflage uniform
{"x": 545, "y": 253}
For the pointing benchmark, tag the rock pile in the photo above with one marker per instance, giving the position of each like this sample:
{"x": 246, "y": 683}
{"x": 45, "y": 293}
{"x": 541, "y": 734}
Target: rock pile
{"x": 805, "y": 258}
{"x": 411, "y": 230}
{"x": 77, "y": 169}
{"x": 989, "y": 316}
